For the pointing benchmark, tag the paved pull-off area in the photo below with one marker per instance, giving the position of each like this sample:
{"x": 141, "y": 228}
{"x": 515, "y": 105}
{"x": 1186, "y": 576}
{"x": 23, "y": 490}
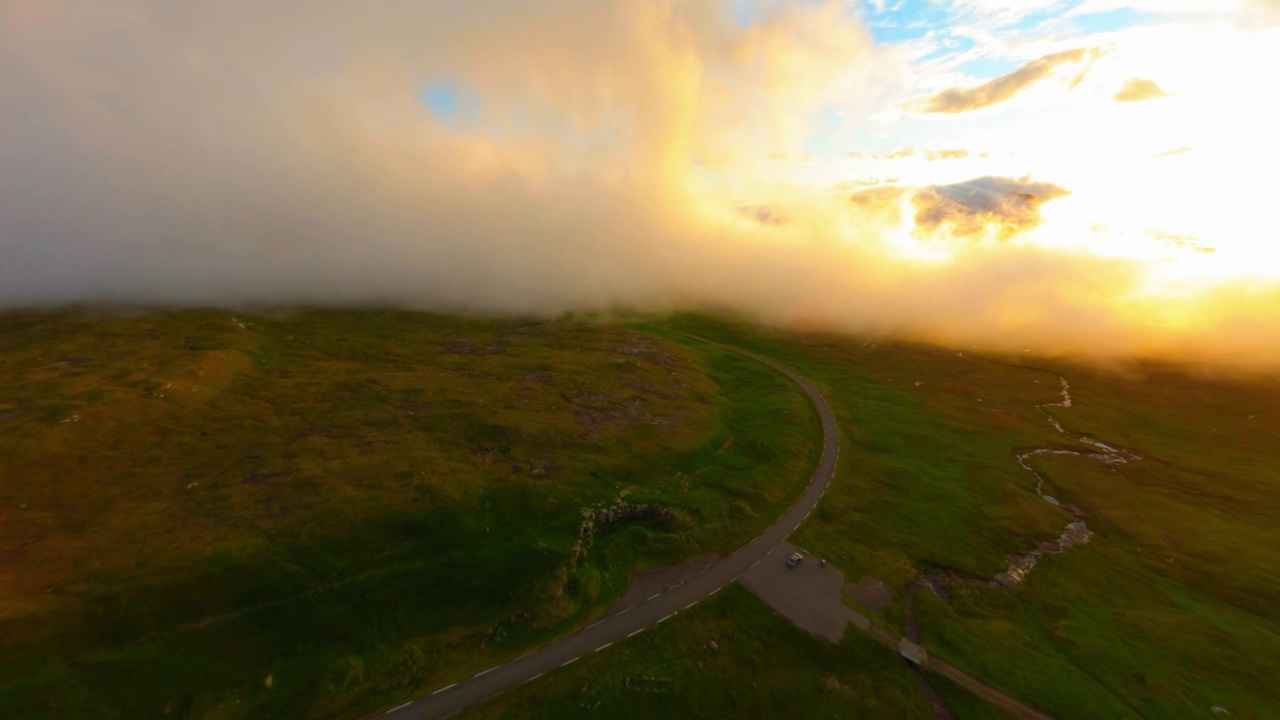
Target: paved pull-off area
{"x": 808, "y": 595}
{"x": 631, "y": 620}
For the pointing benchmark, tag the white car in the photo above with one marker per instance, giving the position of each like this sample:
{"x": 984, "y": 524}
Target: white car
{"x": 794, "y": 560}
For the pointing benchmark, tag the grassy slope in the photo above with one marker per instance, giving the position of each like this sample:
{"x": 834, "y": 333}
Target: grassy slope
{"x": 356, "y": 506}
{"x": 1172, "y": 608}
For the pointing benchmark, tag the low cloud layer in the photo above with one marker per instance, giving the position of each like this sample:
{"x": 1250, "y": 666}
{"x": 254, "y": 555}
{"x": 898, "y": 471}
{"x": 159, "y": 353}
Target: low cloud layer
{"x": 281, "y": 153}
{"x": 1005, "y": 87}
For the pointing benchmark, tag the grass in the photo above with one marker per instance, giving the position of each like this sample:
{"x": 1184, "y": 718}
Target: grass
{"x": 210, "y": 515}
{"x": 359, "y": 507}
{"x": 759, "y": 666}
{"x": 1169, "y": 611}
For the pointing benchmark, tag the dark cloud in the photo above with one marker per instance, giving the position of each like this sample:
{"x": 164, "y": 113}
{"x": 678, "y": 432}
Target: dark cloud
{"x": 959, "y": 100}
{"x": 1138, "y": 89}
{"x": 983, "y": 207}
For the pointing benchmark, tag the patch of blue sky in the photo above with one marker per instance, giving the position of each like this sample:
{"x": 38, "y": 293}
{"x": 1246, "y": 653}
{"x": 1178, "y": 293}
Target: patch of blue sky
{"x": 948, "y": 46}
{"x": 449, "y": 100}
{"x": 903, "y": 20}
{"x": 986, "y": 68}
{"x": 1036, "y": 19}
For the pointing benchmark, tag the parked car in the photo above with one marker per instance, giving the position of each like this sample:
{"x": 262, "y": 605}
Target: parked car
{"x": 794, "y": 560}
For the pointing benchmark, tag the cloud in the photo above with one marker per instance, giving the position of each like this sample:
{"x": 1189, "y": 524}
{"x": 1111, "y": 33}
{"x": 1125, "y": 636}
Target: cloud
{"x": 281, "y": 152}
{"x": 763, "y": 214}
{"x": 1182, "y": 242}
{"x": 880, "y": 203}
{"x": 1005, "y": 87}
{"x": 996, "y": 208}
{"x": 908, "y": 151}
{"x": 850, "y": 186}
{"x": 902, "y": 152}
{"x": 611, "y": 155}
{"x": 984, "y": 207}
{"x": 1138, "y": 89}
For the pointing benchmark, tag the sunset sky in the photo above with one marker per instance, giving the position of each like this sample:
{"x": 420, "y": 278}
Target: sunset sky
{"x": 1083, "y": 176}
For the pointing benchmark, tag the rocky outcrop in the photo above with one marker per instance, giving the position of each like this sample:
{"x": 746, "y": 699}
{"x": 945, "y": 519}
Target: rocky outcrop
{"x": 596, "y": 519}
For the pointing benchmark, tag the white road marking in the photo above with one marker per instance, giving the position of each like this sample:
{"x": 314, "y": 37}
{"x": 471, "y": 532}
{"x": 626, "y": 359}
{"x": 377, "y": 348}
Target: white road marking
{"x": 398, "y": 707}
{"x": 535, "y": 677}
{"x": 595, "y": 624}
{"x": 653, "y": 596}
{"x": 713, "y": 592}
{"x": 770, "y": 552}
{"x": 443, "y": 689}
{"x": 755, "y": 563}
{"x": 525, "y": 655}
{"x": 603, "y": 646}
{"x": 665, "y": 618}
{"x": 568, "y": 662}
{"x": 486, "y": 672}
{"x": 633, "y": 633}
{"x": 629, "y": 609}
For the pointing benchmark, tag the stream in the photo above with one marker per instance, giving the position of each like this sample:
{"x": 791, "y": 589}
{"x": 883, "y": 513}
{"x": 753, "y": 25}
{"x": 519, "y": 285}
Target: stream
{"x": 1076, "y": 532}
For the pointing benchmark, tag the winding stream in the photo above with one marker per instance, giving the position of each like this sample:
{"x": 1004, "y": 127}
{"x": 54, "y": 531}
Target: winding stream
{"x": 1076, "y": 531}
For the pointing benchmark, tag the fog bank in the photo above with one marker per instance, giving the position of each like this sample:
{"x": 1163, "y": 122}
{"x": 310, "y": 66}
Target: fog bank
{"x": 509, "y": 157}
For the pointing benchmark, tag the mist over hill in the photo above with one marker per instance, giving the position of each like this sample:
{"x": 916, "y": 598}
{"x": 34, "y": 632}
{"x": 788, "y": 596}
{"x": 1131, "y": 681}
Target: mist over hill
{"x": 509, "y": 158}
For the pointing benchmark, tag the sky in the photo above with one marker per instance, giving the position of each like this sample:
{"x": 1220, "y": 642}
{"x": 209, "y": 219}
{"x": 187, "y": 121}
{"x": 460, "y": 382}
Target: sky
{"x": 1090, "y": 177}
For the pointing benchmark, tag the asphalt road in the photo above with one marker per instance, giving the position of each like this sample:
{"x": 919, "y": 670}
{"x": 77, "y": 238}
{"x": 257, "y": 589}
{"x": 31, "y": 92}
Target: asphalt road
{"x": 619, "y": 626}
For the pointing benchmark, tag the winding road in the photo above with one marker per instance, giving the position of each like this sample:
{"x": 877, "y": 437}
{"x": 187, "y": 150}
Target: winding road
{"x": 619, "y": 626}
